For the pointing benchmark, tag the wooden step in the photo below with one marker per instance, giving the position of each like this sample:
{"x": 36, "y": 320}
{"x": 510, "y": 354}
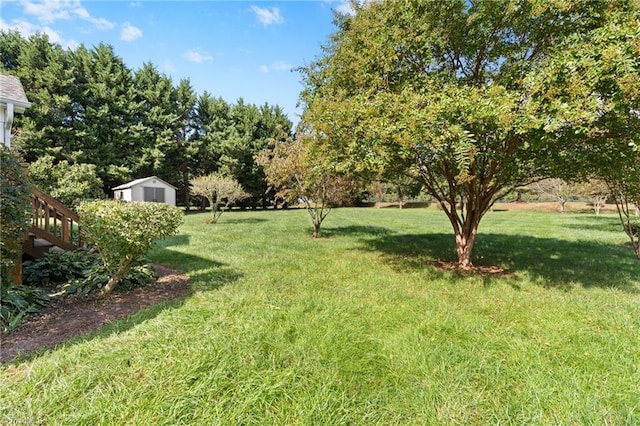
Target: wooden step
{"x": 36, "y": 247}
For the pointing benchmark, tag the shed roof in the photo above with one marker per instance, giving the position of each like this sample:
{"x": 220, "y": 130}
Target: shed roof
{"x": 141, "y": 181}
{"x": 11, "y": 90}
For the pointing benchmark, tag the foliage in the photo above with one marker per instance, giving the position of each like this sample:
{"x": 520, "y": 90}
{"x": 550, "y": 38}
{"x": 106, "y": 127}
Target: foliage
{"x": 58, "y": 267}
{"x": 81, "y": 272}
{"x": 448, "y": 91}
{"x": 300, "y": 177}
{"x": 592, "y": 84}
{"x": 88, "y": 107}
{"x": 221, "y": 191}
{"x": 18, "y": 301}
{"x": 123, "y": 232}
{"x": 95, "y": 278}
{"x": 15, "y": 215}
{"x": 68, "y": 183}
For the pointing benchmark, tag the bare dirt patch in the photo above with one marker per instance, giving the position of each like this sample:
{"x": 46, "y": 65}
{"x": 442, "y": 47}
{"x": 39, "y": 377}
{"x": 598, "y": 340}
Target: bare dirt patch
{"x": 71, "y": 317}
{"x": 484, "y": 270}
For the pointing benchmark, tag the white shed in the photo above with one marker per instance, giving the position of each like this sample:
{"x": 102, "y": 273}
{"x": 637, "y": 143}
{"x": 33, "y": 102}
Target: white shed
{"x": 151, "y": 189}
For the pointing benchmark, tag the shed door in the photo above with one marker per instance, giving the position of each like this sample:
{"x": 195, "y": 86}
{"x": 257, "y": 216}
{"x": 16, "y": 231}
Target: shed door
{"x": 155, "y": 195}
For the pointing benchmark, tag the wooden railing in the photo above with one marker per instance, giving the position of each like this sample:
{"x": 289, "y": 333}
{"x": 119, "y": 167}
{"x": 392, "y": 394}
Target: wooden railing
{"x": 54, "y": 222}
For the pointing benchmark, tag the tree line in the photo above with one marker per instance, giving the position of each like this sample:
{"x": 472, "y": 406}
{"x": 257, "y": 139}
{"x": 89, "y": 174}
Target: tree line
{"x": 103, "y": 122}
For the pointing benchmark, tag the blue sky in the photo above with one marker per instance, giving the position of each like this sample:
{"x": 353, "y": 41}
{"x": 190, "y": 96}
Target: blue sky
{"x": 233, "y": 49}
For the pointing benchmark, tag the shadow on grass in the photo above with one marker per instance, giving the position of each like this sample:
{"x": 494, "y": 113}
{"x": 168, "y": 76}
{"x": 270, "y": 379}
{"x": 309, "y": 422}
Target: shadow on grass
{"x": 596, "y": 223}
{"x": 236, "y": 220}
{"x": 550, "y": 262}
{"x": 355, "y": 230}
{"x": 204, "y": 273}
{"x": 175, "y": 241}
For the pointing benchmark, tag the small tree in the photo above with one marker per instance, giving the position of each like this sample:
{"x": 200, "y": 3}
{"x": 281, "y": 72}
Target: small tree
{"x": 298, "y": 176}
{"x": 123, "y": 232}
{"x": 595, "y": 191}
{"x": 558, "y": 189}
{"x": 624, "y": 184}
{"x": 221, "y": 191}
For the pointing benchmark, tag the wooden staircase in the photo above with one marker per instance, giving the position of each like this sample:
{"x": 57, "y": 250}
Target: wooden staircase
{"x": 54, "y": 227}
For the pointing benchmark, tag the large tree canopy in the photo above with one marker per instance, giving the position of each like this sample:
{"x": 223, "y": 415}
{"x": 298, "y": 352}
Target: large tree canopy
{"x": 89, "y": 108}
{"x": 447, "y": 92}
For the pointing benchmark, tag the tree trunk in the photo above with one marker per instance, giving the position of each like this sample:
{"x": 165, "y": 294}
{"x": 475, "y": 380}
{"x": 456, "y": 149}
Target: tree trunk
{"x": 115, "y": 279}
{"x": 316, "y": 229}
{"x": 464, "y": 248}
{"x": 562, "y": 203}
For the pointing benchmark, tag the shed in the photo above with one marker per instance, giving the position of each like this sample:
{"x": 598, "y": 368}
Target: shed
{"x": 150, "y": 188}
{"x": 13, "y": 100}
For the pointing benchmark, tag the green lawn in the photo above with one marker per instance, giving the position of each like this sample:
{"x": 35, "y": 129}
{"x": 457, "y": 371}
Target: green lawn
{"x": 358, "y": 328}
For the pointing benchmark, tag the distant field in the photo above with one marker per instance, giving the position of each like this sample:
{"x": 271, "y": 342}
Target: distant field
{"x": 358, "y": 327}
{"x": 571, "y": 207}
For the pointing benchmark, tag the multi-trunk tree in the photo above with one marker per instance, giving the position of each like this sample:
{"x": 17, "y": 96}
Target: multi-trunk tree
{"x": 450, "y": 91}
{"x": 300, "y": 176}
{"x": 221, "y": 191}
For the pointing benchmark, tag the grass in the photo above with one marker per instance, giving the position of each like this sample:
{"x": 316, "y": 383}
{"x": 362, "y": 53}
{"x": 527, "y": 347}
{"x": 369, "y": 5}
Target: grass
{"x": 358, "y": 328}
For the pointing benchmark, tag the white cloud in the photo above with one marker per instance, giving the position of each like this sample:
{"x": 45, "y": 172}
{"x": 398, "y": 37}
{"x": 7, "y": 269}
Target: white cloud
{"x": 129, "y": 32}
{"x": 27, "y": 29}
{"x": 169, "y": 67}
{"x": 276, "y": 66}
{"x": 49, "y": 11}
{"x": 268, "y": 16}
{"x": 345, "y": 7}
{"x": 197, "y": 56}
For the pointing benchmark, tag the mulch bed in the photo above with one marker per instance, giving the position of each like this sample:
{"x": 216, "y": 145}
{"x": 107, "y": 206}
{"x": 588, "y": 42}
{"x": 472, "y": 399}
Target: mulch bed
{"x": 76, "y": 316}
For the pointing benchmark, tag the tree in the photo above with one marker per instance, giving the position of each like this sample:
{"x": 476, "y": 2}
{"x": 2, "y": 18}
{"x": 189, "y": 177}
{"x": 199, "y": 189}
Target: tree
{"x": 556, "y": 188}
{"x": 592, "y": 85}
{"x": 595, "y": 191}
{"x": 15, "y": 212}
{"x": 444, "y": 89}
{"x": 221, "y": 191}
{"x": 300, "y": 177}
{"x": 625, "y": 189}
{"x": 123, "y": 232}
{"x": 68, "y": 183}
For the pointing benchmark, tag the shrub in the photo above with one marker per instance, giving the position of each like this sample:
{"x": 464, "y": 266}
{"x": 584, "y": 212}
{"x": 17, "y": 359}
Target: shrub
{"x": 17, "y": 301}
{"x": 97, "y": 277}
{"x": 15, "y": 206}
{"x": 81, "y": 272}
{"x": 59, "y": 267}
{"x": 123, "y": 232}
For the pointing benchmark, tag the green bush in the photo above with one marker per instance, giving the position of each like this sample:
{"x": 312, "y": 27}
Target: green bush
{"x": 17, "y": 301}
{"x": 15, "y": 213}
{"x": 81, "y": 272}
{"x": 97, "y": 277}
{"x": 57, "y": 268}
{"x": 123, "y": 232}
